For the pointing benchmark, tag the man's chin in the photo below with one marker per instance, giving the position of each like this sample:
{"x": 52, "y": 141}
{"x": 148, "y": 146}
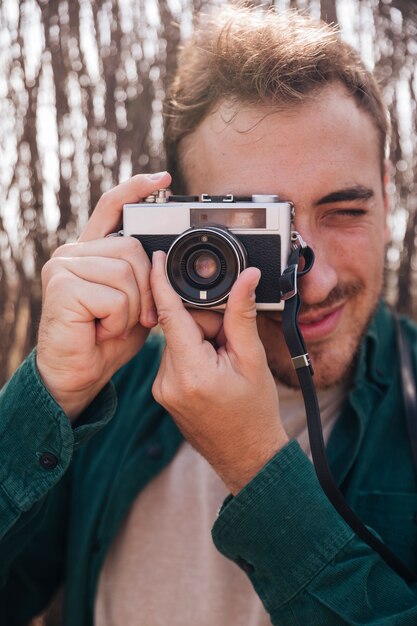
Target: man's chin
{"x": 325, "y": 376}
{"x": 333, "y": 357}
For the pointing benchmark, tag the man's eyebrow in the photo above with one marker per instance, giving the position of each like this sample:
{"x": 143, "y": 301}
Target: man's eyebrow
{"x": 348, "y": 194}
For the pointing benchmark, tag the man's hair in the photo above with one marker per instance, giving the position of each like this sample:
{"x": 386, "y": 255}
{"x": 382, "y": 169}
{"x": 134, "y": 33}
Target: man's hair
{"x": 255, "y": 57}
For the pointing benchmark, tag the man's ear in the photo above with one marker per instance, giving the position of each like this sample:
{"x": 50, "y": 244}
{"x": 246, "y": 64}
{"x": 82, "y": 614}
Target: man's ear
{"x": 386, "y": 189}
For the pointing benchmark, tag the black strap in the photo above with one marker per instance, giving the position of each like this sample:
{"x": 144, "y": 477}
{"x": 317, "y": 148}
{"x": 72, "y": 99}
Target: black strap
{"x": 301, "y": 360}
{"x": 408, "y": 386}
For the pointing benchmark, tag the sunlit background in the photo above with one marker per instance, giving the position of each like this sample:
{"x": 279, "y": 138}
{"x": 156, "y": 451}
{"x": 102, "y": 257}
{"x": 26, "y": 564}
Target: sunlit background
{"x": 81, "y": 90}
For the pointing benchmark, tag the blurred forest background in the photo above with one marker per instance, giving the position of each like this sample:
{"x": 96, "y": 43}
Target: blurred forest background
{"x": 81, "y": 90}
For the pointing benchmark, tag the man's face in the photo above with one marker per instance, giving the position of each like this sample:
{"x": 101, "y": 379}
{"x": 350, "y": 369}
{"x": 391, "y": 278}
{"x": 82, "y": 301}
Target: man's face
{"x": 324, "y": 157}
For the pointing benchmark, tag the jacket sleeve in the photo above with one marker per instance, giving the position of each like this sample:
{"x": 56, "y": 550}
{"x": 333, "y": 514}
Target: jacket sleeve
{"x": 303, "y": 560}
{"x": 36, "y": 447}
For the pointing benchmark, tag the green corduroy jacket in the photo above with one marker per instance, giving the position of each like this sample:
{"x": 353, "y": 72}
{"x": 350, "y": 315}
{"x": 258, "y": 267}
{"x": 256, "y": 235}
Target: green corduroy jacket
{"x": 65, "y": 492}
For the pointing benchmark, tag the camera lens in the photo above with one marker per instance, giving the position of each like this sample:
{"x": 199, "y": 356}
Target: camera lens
{"x": 203, "y": 263}
{"x": 206, "y": 264}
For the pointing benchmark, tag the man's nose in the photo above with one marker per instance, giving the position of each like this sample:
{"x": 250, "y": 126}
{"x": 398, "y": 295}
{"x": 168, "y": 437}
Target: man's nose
{"x": 316, "y": 285}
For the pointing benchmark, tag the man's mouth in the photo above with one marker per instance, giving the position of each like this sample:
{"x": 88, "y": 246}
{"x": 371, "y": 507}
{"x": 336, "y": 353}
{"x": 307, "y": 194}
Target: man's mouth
{"x": 318, "y": 324}
{"x": 315, "y": 325}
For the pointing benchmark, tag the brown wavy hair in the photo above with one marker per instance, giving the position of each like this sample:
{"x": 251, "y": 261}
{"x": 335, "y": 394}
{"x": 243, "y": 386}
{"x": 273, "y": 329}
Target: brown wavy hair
{"x": 257, "y": 57}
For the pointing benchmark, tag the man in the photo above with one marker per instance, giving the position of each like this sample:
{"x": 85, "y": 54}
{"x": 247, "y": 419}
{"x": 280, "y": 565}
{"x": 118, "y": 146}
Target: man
{"x": 263, "y": 104}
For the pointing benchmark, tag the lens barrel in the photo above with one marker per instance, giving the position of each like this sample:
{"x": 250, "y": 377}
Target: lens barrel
{"x": 203, "y": 263}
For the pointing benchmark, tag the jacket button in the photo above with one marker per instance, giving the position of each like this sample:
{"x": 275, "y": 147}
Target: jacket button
{"x": 48, "y": 461}
{"x": 155, "y": 451}
{"x": 245, "y": 565}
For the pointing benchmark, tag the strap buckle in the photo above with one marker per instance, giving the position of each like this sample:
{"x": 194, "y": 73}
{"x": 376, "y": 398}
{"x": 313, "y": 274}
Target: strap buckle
{"x": 303, "y": 360}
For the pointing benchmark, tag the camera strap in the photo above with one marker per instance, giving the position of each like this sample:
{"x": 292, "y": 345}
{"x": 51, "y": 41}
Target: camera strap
{"x": 304, "y": 370}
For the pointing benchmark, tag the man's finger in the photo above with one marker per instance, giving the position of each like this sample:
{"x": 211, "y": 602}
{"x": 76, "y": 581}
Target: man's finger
{"x": 107, "y": 216}
{"x": 101, "y": 304}
{"x": 182, "y": 334}
{"x": 114, "y": 273}
{"x": 129, "y": 249}
{"x": 240, "y": 316}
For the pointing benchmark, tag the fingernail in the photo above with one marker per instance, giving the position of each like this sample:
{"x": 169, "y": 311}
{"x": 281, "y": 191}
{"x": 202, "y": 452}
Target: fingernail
{"x": 155, "y": 255}
{"x": 156, "y": 176}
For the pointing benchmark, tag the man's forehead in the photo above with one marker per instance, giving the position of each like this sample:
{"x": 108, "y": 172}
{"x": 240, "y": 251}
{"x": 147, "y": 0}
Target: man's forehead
{"x": 244, "y": 142}
{"x": 245, "y": 117}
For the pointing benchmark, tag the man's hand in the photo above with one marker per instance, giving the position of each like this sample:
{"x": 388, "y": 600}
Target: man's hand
{"x": 215, "y": 380}
{"x": 97, "y": 302}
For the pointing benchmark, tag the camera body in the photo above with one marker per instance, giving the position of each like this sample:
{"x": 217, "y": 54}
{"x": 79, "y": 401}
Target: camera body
{"x": 209, "y": 240}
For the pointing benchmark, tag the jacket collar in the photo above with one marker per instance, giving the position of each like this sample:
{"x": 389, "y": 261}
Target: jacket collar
{"x": 370, "y": 382}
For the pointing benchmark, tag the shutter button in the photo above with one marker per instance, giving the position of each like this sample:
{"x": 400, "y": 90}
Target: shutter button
{"x": 48, "y": 461}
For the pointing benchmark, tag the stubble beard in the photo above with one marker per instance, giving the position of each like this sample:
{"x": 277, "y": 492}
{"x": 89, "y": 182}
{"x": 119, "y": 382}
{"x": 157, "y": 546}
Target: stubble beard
{"x": 326, "y": 375}
{"x": 331, "y": 365}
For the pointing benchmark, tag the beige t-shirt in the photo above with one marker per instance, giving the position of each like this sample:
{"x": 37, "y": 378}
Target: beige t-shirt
{"x": 163, "y": 568}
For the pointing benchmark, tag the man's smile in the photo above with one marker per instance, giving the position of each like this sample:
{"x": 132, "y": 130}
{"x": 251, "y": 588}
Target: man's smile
{"x": 315, "y": 325}
{"x": 320, "y": 324}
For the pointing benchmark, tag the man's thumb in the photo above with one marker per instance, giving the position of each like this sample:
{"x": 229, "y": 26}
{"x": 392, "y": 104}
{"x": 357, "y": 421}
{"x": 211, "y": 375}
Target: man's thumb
{"x": 240, "y": 316}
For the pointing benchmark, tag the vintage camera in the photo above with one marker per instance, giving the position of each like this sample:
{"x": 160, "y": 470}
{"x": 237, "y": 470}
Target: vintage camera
{"x": 209, "y": 240}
